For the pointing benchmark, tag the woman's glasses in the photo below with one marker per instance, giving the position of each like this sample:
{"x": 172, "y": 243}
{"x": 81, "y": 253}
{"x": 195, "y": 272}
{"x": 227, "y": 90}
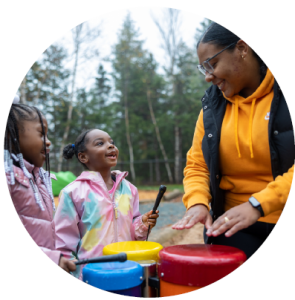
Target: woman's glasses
{"x": 206, "y": 67}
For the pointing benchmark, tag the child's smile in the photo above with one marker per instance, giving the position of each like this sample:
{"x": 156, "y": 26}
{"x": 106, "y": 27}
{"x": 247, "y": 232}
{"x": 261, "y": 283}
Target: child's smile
{"x": 112, "y": 155}
{"x": 101, "y": 151}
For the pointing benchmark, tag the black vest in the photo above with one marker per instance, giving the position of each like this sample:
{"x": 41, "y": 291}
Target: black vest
{"x": 281, "y": 140}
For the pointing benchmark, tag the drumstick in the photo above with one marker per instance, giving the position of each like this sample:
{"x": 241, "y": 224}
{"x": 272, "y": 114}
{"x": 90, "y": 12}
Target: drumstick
{"x": 108, "y": 258}
{"x": 162, "y": 190}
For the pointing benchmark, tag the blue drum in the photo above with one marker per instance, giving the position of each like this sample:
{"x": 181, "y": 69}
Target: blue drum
{"x": 124, "y": 278}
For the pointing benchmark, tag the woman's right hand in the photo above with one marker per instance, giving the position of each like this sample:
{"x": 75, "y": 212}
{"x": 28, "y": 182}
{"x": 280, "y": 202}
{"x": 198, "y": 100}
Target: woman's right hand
{"x": 67, "y": 265}
{"x": 195, "y": 214}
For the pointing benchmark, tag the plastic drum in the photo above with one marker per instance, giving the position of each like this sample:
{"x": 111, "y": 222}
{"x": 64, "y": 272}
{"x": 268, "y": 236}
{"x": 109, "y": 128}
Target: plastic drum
{"x": 184, "y": 268}
{"x": 135, "y": 250}
{"x": 143, "y": 252}
{"x": 124, "y": 278}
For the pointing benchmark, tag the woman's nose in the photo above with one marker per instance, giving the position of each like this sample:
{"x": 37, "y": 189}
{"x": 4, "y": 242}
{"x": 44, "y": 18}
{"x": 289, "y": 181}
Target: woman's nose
{"x": 111, "y": 145}
{"x": 209, "y": 77}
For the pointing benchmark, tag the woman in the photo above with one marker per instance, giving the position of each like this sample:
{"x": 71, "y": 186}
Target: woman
{"x": 242, "y": 157}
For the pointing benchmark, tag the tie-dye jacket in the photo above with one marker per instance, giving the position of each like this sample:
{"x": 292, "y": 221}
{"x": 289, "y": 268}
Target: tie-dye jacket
{"x": 89, "y": 218}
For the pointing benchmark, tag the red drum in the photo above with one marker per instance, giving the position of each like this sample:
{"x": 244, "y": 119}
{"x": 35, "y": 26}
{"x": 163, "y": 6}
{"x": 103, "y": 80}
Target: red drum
{"x": 184, "y": 268}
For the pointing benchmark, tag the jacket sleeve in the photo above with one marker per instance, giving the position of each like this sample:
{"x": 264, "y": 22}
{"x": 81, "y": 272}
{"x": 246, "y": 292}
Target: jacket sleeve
{"x": 196, "y": 180}
{"x": 275, "y": 195}
{"x": 66, "y": 221}
{"x": 138, "y": 228}
{"x": 54, "y": 255}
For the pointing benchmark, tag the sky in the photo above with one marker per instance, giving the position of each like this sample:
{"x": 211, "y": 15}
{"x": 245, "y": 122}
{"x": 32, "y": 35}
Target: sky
{"x": 111, "y": 23}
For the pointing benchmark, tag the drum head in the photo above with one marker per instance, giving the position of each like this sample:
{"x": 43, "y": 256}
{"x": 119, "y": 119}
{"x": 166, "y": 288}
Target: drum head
{"x": 135, "y": 250}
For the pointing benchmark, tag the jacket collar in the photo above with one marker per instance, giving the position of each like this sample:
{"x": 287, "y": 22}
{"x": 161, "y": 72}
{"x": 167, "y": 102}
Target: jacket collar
{"x": 97, "y": 178}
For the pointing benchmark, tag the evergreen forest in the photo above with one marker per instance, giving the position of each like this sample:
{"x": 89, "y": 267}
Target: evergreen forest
{"x": 150, "y": 115}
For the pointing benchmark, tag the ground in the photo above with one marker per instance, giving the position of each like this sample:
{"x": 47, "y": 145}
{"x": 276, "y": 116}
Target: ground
{"x": 169, "y": 213}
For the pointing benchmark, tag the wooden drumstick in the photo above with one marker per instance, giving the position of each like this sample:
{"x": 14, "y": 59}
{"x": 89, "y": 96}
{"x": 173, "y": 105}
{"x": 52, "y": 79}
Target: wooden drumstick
{"x": 162, "y": 190}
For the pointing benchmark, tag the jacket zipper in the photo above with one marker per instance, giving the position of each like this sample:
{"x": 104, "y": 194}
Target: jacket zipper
{"x": 115, "y": 214}
{"x": 115, "y": 217}
{"x": 115, "y": 222}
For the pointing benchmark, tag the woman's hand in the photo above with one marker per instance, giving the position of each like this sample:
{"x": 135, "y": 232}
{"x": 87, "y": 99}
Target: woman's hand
{"x": 235, "y": 219}
{"x": 67, "y": 265}
{"x": 194, "y": 215}
{"x": 149, "y": 219}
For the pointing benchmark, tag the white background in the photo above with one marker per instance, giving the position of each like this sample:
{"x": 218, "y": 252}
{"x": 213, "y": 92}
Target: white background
{"x": 28, "y": 28}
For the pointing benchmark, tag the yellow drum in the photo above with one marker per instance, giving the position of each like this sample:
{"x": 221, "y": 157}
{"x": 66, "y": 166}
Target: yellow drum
{"x": 144, "y": 253}
{"x": 135, "y": 250}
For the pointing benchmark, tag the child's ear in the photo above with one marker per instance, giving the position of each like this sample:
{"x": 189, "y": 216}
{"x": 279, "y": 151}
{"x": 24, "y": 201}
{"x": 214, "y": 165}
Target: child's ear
{"x": 83, "y": 157}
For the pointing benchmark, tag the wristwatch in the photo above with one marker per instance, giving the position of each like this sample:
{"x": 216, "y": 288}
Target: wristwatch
{"x": 254, "y": 202}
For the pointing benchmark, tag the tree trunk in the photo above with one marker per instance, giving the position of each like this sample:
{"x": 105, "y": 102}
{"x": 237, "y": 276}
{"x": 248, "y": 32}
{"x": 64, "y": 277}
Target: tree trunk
{"x": 128, "y": 133}
{"x": 177, "y": 158}
{"x": 159, "y": 136}
{"x": 157, "y": 165}
{"x": 23, "y": 98}
{"x": 157, "y": 169}
{"x": 69, "y": 116}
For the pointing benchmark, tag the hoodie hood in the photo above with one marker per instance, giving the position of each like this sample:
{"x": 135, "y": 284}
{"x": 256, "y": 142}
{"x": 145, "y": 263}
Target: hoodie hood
{"x": 264, "y": 89}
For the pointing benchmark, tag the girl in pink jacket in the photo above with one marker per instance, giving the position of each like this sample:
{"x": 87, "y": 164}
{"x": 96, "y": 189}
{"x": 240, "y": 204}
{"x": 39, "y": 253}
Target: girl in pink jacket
{"x": 26, "y": 150}
{"x": 100, "y": 207}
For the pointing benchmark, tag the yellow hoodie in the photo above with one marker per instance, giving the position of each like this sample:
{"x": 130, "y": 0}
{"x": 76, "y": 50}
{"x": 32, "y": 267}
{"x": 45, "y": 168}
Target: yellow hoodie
{"x": 244, "y": 155}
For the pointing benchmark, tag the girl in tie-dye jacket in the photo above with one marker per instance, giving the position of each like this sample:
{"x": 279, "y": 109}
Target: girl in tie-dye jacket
{"x": 100, "y": 207}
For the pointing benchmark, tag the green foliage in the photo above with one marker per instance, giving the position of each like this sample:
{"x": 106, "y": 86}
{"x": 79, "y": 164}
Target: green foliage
{"x": 199, "y": 31}
{"x": 134, "y": 76}
{"x": 170, "y": 187}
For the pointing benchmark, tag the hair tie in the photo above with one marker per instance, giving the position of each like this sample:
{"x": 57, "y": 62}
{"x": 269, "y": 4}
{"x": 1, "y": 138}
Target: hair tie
{"x": 73, "y": 146}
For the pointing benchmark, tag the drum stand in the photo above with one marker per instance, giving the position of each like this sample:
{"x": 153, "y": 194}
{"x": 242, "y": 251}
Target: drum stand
{"x": 150, "y": 286}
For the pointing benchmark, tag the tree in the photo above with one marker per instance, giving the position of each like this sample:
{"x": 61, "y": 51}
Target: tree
{"x": 128, "y": 52}
{"x": 199, "y": 31}
{"x": 79, "y": 38}
{"x": 151, "y": 87}
{"x": 169, "y": 30}
{"x": 46, "y": 86}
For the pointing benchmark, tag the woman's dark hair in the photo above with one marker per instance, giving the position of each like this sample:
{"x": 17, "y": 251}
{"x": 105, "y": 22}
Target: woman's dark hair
{"x": 79, "y": 146}
{"x": 218, "y": 35}
{"x": 17, "y": 114}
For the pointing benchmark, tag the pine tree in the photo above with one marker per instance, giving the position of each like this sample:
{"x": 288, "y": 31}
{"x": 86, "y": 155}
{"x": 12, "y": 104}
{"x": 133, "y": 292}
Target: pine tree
{"x": 127, "y": 54}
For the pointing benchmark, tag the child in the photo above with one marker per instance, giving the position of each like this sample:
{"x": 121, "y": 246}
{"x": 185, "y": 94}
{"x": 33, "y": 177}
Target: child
{"x": 26, "y": 149}
{"x": 100, "y": 207}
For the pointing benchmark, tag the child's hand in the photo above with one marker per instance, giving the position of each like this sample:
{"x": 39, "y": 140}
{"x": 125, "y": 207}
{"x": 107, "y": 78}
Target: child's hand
{"x": 150, "y": 220}
{"x": 67, "y": 265}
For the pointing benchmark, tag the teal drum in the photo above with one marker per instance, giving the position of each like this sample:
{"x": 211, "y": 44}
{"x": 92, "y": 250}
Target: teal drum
{"x": 124, "y": 278}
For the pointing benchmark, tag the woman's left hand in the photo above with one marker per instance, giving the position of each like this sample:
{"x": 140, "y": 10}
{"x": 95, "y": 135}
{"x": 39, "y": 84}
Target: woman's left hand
{"x": 235, "y": 219}
{"x": 150, "y": 219}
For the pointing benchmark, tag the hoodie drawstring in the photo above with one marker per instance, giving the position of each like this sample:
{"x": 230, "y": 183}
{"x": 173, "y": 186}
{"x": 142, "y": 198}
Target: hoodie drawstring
{"x": 250, "y": 127}
{"x": 236, "y": 126}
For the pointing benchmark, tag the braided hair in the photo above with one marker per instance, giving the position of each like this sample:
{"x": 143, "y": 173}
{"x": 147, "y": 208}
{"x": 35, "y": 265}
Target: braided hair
{"x": 222, "y": 37}
{"x": 17, "y": 114}
{"x": 80, "y": 146}
{"x": 12, "y": 152}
